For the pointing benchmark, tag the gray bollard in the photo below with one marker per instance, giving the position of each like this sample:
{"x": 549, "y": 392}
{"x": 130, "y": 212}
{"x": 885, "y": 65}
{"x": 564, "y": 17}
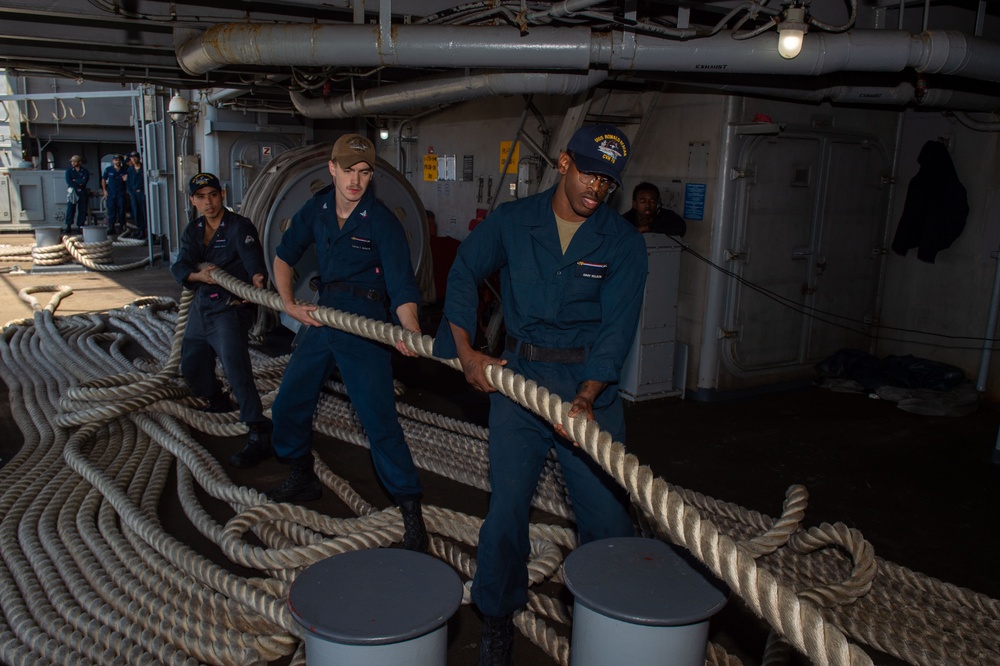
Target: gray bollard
{"x": 95, "y": 234}
{"x": 48, "y": 236}
{"x": 376, "y": 607}
{"x": 639, "y": 601}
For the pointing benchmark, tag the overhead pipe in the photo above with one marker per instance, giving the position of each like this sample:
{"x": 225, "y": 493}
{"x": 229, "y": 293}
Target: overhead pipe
{"x": 298, "y": 44}
{"x": 902, "y": 94}
{"x": 220, "y": 95}
{"x": 977, "y": 125}
{"x": 579, "y": 49}
{"x": 562, "y": 9}
{"x": 446, "y": 89}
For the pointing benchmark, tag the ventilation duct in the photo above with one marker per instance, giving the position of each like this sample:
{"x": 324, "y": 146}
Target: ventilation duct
{"x": 569, "y": 52}
{"x": 446, "y": 89}
{"x": 579, "y": 49}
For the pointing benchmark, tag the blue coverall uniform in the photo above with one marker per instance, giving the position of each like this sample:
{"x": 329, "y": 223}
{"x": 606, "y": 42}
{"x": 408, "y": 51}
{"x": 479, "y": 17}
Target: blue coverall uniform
{"x": 588, "y": 298}
{"x": 364, "y": 268}
{"x": 136, "y": 185}
{"x": 218, "y": 322}
{"x": 115, "y": 185}
{"x": 77, "y": 179}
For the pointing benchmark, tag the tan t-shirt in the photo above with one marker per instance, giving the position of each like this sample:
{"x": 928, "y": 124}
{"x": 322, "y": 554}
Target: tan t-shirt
{"x": 566, "y": 231}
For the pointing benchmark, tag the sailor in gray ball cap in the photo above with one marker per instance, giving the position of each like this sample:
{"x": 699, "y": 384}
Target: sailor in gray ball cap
{"x": 364, "y": 268}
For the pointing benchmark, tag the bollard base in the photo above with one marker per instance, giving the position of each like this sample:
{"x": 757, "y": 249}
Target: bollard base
{"x": 48, "y": 236}
{"x": 95, "y": 234}
{"x": 634, "y": 643}
{"x": 639, "y": 601}
{"x": 429, "y": 649}
{"x": 374, "y": 607}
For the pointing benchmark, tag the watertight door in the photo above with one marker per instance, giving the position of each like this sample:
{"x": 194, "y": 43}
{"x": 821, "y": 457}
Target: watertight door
{"x": 813, "y": 215}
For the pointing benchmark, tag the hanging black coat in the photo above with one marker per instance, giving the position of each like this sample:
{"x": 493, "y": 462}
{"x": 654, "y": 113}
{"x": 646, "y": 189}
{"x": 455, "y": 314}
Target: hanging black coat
{"x": 936, "y": 206}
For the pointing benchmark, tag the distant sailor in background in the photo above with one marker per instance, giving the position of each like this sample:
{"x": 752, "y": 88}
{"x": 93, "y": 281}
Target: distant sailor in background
{"x": 113, "y": 185}
{"x": 648, "y": 215}
{"x": 76, "y": 194}
{"x": 135, "y": 182}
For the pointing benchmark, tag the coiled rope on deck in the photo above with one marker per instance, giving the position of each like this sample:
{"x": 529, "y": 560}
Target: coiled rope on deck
{"x": 95, "y": 256}
{"x": 803, "y": 602}
{"x": 180, "y": 606}
{"x": 292, "y": 537}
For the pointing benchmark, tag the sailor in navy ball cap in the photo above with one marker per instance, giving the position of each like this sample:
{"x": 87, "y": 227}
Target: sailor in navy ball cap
{"x": 219, "y": 321}
{"x": 572, "y": 275}
{"x": 600, "y": 149}
{"x": 201, "y": 180}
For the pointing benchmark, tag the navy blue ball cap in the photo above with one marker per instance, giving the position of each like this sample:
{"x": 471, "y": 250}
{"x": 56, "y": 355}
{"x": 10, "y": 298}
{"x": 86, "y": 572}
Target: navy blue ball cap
{"x": 204, "y": 180}
{"x": 600, "y": 149}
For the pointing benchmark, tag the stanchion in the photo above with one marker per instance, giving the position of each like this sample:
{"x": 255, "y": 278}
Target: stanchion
{"x": 376, "y": 607}
{"x": 639, "y": 601}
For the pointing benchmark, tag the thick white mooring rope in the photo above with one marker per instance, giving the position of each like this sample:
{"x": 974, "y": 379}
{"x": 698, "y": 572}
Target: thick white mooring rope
{"x": 95, "y": 256}
{"x": 88, "y": 574}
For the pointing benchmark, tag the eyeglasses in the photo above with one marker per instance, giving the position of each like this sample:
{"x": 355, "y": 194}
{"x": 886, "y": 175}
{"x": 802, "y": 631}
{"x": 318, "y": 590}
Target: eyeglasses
{"x": 598, "y": 182}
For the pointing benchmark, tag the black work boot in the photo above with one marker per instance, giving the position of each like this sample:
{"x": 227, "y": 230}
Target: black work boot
{"x": 415, "y": 536}
{"x": 302, "y": 485}
{"x": 496, "y": 644}
{"x": 218, "y": 404}
{"x": 258, "y": 448}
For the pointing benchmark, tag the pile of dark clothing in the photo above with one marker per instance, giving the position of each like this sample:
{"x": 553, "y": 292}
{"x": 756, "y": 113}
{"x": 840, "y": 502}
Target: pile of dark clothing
{"x": 915, "y": 384}
{"x": 936, "y": 206}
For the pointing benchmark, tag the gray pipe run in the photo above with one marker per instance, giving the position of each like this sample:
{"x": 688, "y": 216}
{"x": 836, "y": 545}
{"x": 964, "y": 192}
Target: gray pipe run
{"x": 446, "y": 89}
{"x": 901, "y": 94}
{"x": 579, "y": 49}
{"x": 978, "y": 125}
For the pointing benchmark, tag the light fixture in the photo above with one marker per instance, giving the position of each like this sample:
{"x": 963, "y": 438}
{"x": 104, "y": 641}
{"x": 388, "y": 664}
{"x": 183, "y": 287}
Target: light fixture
{"x": 178, "y": 108}
{"x": 791, "y": 31}
{"x": 383, "y": 130}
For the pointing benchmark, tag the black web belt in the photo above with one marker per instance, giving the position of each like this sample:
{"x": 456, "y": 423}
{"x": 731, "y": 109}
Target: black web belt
{"x": 361, "y": 292}
{"x": 532, "y": 352}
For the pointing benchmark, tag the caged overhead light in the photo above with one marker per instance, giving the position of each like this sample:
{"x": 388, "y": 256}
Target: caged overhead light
{"x": 791, "y": 31}
{"x": 383, "y": 130}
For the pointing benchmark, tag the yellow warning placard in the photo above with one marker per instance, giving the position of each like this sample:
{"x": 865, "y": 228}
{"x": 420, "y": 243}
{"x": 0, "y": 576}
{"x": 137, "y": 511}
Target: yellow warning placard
{"x": 504, "y": 149}
{"x": 430, "y": 167}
